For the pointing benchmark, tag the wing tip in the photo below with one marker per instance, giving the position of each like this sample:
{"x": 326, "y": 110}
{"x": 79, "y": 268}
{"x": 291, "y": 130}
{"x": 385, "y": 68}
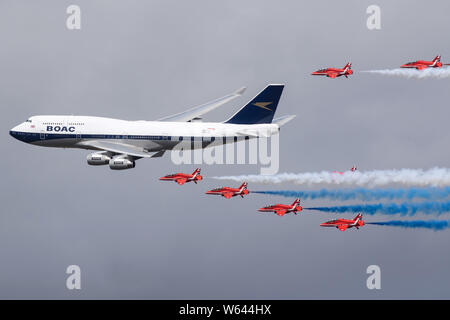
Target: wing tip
{"x": 240, "y": 91}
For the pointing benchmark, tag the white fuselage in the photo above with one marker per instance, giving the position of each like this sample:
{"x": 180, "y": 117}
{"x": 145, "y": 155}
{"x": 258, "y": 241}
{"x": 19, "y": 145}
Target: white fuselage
{"x": 75, "y": 131}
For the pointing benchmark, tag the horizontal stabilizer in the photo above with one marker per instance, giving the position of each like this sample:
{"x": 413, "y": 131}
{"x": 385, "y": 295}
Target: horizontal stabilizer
{"x": 283, "y": 120}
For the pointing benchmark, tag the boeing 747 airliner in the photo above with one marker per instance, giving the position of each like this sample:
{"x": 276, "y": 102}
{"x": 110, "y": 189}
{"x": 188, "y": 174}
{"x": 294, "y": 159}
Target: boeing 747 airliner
{"x": 119, "y": 143}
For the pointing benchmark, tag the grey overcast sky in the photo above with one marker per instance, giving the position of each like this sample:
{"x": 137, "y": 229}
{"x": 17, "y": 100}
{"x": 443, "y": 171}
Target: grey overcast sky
{"x": 137, "y": 238}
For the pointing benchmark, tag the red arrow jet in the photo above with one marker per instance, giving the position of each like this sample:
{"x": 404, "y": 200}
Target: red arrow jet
{"x": 335, "y": 72}
{"x": 282, "y": 209}
{"x": 421, "y": 64}
{"x": 182, "y": 178}
{"x": 344, "y": 224}
{"x": 352, "y": 169}
{"x": 230, "y": 192}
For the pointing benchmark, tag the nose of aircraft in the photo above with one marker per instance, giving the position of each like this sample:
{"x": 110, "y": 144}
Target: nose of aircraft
{"x": 15, "y": 132}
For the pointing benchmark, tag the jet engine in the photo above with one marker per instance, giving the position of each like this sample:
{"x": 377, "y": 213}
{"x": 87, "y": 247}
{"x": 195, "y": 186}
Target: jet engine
{"x": 121, "y": 164}
{"x": 98, "y": 159}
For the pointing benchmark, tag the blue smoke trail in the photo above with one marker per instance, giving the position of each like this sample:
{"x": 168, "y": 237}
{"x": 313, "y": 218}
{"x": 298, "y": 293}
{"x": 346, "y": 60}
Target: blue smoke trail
{"x": 364, "y": 194}
{"x": 430, "y": 224}
{"x": 407, "y": 208}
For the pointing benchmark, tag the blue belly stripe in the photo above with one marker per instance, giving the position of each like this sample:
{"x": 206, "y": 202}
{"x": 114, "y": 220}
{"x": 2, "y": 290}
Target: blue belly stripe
{"x": 30, "y": 137}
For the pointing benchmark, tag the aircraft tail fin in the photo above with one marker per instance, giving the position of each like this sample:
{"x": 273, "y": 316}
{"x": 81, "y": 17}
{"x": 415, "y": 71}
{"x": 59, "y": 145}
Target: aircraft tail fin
{"x": 261, "y": 108}
{"x": 196, "y": 171}
{"x": 348, "y": 66}
{"x": 296, "y": 202}
{"x": 438, "y": 58}
{"x": 243, "y": 186}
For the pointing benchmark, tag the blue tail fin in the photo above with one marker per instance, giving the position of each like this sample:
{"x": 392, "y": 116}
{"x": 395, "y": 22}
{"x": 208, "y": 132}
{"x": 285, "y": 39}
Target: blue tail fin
{"x": 261, "y": 108}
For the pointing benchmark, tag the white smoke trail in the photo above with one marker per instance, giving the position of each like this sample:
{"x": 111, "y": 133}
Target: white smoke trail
{"x": 436, "y": 177}
{"x": 437, "y": 73}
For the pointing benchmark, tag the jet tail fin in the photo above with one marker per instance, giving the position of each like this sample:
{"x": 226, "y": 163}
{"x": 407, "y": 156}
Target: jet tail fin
{"x": 296, "y": 202}
{"x": 261, "y": 108}
{"x": 348, "y": 66}
{"x": 196, "y": 171}
{"x": 243, "y": 186}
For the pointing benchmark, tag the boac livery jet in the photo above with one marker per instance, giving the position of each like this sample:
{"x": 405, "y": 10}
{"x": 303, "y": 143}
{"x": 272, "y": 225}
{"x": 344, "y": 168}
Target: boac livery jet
{"x": 119, "y": 143}
{"x": 230, "y": 192}
{"x": 422, "y": 64}
{"x": 335, "y": 72}
{"x": 282, "y": 209}
{"x": 344, "y": 224}
{"x": 182, "y": 178}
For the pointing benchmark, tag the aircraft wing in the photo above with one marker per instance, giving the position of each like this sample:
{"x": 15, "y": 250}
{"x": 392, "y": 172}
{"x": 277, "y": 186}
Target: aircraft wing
{"x": 227, "y": 195}
{"x": 198, "y": 111}
{"x": 181, "y": 181}
{"x": 122, "y": 148}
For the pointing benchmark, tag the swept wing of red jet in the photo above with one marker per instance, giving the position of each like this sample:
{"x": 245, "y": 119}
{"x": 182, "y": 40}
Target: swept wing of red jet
{"x": 182, "y": 178}
{"x": 422, "y": 64}
{"x": 344, "y": 224}
{"x": 230, "y": 192}
{"x": 335, "y": 72}
{"x": 282, "y": 209}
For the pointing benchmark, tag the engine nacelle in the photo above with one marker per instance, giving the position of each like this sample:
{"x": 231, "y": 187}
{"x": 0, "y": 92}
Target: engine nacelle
{"x": 121, "y": 164}
{"x": 98, "y": 159}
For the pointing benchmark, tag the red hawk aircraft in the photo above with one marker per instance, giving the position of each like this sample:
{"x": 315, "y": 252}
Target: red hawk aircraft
{"x": 352, "y": 169}
{"x": 335, "y": 72}
{"x": 344, "y": 224}
{"x": 182, "y": 178}
{"x": 422, "y": 64}
{"x": 230, "y": 192}
{"x": 282, "y": 209}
